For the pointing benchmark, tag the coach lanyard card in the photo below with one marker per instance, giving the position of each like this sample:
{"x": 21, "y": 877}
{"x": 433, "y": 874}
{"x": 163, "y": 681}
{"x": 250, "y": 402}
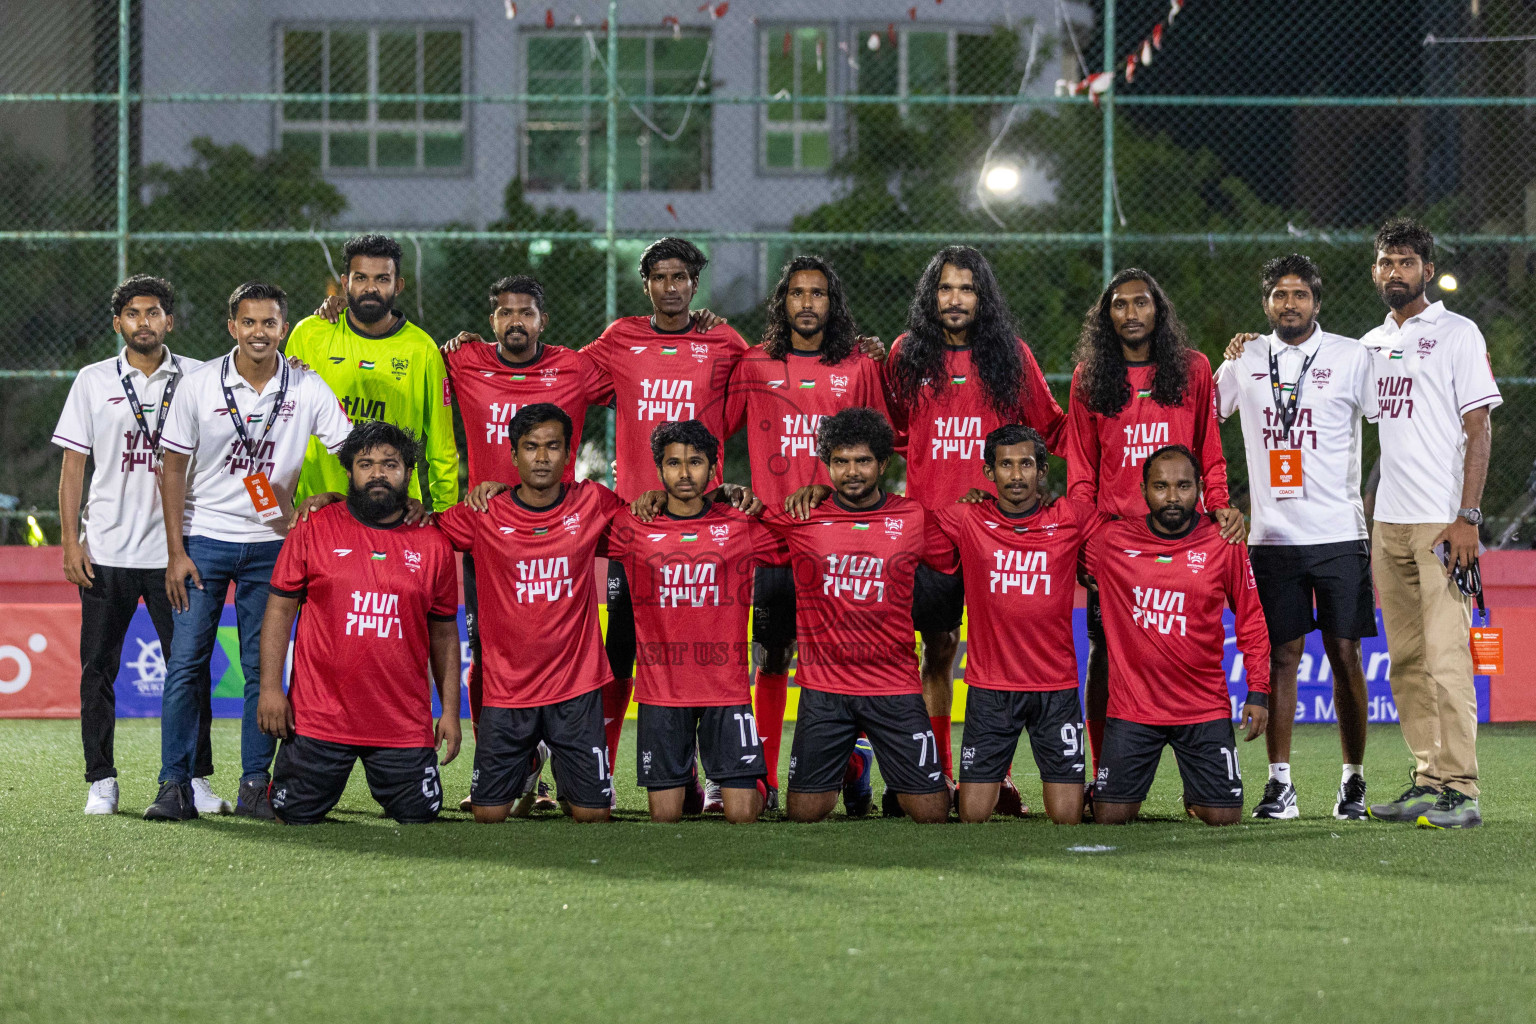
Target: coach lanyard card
{"x": 1285, "y": 477}
{"x": 262, "y": 499}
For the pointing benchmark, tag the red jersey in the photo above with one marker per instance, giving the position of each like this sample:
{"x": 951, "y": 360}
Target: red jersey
{"x": 1162, "y": 599}
{"x": 1105, "y": 453}
{"x": 491, "y": 390}
{"x": 361, "y": 658}
{"x": 658, "y": 377}
{"x": 853, "y": 592}
{"x": 945, "y": 432}
{"x": 1020, "y": 573}
{"x": 539, "y": 632}
{"x": 691, "y": 581}
{"x": 781, "y": 402}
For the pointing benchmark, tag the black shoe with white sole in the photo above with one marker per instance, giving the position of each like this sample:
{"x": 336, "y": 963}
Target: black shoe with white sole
{"x": 1350, "y": 805}
{"x": 1279, "y": 802}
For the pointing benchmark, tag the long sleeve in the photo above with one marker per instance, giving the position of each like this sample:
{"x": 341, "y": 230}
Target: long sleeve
{"x": 1213, "y": 468}
{"x": 1082, "y": 449}
{"x": 442, "y": 448}
{"x": 1041, "y": 411}
{"x": 1252, "y": 632}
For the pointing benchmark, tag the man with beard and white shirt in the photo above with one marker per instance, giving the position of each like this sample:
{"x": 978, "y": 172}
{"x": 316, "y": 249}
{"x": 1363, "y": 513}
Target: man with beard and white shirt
{"x": 1302, "y": 393}
{"x": 1436, "y": 390}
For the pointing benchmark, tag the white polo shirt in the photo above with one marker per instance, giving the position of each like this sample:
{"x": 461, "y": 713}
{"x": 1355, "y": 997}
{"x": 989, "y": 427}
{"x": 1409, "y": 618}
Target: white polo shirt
{"x": 1338, "y": 390}
{"x": 1429, "y": 373}
{"x": 218, "y": 504}
{"x": 122, "y": 521}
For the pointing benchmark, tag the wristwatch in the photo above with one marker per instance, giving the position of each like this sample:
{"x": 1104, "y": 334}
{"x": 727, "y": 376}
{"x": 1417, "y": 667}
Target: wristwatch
{"x": 1471, "y": 515}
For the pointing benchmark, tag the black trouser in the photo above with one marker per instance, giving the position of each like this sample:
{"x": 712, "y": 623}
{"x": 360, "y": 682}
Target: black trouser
{"x": 106, "y": 609}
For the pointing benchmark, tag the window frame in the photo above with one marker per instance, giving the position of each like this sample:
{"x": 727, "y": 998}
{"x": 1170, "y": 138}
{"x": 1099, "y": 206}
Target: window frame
{"x": 952, "y": 34}
{"x": 590, "y": 178}
{"x": 768, "y": 34}
{"x": 420, "y": 127}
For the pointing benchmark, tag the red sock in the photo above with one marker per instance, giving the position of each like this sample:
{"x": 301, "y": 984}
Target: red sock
{"x": 615, "y": 702}
{"x": 771, "y": 697}
{"x": 940, "y": 725}
{"x": 1096, "y": 742}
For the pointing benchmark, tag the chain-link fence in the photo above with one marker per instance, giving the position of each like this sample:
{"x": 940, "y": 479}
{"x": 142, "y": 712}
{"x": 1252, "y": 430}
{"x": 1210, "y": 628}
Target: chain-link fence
{"x": 218, "y": 141}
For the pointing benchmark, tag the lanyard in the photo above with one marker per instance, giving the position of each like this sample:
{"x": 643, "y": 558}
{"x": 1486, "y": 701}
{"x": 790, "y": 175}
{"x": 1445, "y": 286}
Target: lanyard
{"x": 1285, "y": 408}
{"x": 153, "y": 439}
{"x": 252, "y": 447}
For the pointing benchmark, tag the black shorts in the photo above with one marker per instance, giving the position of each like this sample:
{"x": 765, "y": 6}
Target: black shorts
{"x": 620, "y": 639}
{"x": 773, "y": 607}
{"x": 726, "y": 739}
{"x": 310, "y": 775}
{"x": 1335, "y": 577}
{"x": 509, "y": 737}
{"x": 938, "y": 600}
{"x": 1206, "y": 752}
{"x": 828, "y": 724}
{"x": 994, "y": 720}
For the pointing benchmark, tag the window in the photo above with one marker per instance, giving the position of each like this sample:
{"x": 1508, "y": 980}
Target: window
{"x": 796, "y": 62}
{"x": 660, "y": 146}
{"x": 391, "y": 137}
{"x": 927, "y": 63}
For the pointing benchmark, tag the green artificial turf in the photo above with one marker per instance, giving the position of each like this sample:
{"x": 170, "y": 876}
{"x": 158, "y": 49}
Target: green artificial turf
{"x": 872, "y": 921}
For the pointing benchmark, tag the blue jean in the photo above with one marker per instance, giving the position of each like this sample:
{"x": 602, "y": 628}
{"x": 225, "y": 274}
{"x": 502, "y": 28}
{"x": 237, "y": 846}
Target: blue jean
{"x": 195, "y": 631}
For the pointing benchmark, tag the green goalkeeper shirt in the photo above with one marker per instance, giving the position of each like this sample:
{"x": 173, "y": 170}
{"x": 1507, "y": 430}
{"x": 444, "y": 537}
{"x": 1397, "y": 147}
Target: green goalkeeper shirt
{"x": 398, "y": 377}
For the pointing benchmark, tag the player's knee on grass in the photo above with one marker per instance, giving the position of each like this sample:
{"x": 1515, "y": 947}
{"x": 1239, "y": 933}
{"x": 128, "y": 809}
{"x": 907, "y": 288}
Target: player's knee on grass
{"x": 1114, "y": 814}
{"x": 492, "y": 815}
{"x": 666, "y": 805}
{"x": 978, "y": 800}
{"x": 590, "y": 814}
{"x": 1064, "y": 802}
{"x": 926, "y": 808}
{"x": 742, "y": 805}
{"x": 808, "y": 807}
{"x": 1213, "y": 815}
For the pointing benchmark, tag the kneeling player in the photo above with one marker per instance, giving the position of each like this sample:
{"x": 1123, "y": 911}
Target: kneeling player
{"x": 1018, "y": 557}
{"x": 854, "y": 560}
{"x": 690, "y": 574}
{"x": 379, "y": 597}
{"x": 1163, "y": 582}
{"x": 535, "y": 548}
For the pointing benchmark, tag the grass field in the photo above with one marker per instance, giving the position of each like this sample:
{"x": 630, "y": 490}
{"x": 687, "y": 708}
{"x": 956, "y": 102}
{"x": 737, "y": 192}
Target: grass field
{"x": 870, "y": 921}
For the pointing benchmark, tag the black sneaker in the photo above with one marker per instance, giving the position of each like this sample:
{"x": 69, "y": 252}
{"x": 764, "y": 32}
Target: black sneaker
{"x": 890, "y": 806}
{"x": 254, "y": 801}
{"x": 772, "y": 802}
{"x": 1350, "y": 805}
{"x": 1279, "y": 801}
{"x": 173, "y": 803}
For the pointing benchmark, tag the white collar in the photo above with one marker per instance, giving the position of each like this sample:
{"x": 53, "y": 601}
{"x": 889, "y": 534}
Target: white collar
{"x": 1429, "y": 314}
{"x": 167, "y": 364}
{"x": 1307, "y": 348}
{"x": 234, "y": 380}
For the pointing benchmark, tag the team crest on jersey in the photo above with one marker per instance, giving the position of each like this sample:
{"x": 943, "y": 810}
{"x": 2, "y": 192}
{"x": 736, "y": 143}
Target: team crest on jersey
{"x": 572, "y": 522}
{"x": 1196, "y": 561}
{"x": 893, "y": 527}
{"x": 700, "y": 350}
{"x": 341, "y": 552}
{"x": 548, "y": 375}
{"x": 1321, "y": 376}
{"x": 718, "y": 534}
{"x": 1426, "y": 346}
{"x": 413, "y": 560}
{"x": 399, "y": 367}
{"x": 839, "y": 384}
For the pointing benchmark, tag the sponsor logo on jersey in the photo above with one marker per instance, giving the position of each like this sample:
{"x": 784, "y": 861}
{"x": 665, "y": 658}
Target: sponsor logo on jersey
{"x": 1022, "y": 571}
{"x": 365, "y": 364}
{"x": 665, "y": 398}
{"x": 358, "y": 408}
{"x": 957, "y": 437}
{"x": 341, "y": 552}
{"x": 1159, "y": 609}
{"x": 653, "y": 537}
{"x": 378, "y": 556}
{"x": 507, "y": 529}
{"x": 860, "y": 577}
{"x": 637, "y": 349}
{"x": 338, "y": 360}
{"x": 114, "y": 401}
{"x": 375, "y": 613}
{"x": 684, "y": 585}
{"x": 546, "y": 578}
{"x": 1129, "y": 553}
{"x": 990, "y": 524}
{"x": 777, "y": 383}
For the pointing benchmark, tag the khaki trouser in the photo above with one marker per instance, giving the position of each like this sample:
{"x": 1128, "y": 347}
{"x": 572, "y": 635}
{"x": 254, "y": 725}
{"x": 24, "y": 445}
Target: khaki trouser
{"x": 1428, "y": 621}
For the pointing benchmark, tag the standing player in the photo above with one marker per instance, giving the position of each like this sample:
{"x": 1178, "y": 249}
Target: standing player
{"x": 810, "y": 365}
{"x": 382, "y": 367}
{"x": 1302, "y": 393}
{"x": 958, "y": 373}
{"x": 854, "y": 564}
{"x": 1163, "y": 581}
{"x": 234, "y": 443}
{"x": 1138, "y": 386}
{"x": 543, "y": 648}
{"x": 1018, "y": 557}
{"x": 380, "y": 600}
{"x": 655, "y": 369}
{"x": 115, "y": 551}
{"x": 690, "y": 572}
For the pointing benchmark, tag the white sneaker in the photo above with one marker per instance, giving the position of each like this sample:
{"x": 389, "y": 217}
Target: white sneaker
{"x": 206, "y": 800}
{"x": 714, "y": 803}
{"x": 103, "y": 798}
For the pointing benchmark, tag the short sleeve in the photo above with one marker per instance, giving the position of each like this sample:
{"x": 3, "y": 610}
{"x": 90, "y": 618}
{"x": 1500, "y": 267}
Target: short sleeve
{"x": 182, "y": 426}
{"x": 331, "y": 424}
{"x": 947, "y": 519}
{"x": 1228, "y": 389}
{"x": 74, "y": 431}
{"x": 1473, "y": 374}
{"x": 596, "y": 373}
{"x": 445, "y": 588}
{"x": 1091, "y": 551}
{"x": 939, "y": 552}
{"x": 1367, "y": 399}
{"x": 458, "y": 525}
{"x": 768, "y": 547}
{"x": 290, "y": 576}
